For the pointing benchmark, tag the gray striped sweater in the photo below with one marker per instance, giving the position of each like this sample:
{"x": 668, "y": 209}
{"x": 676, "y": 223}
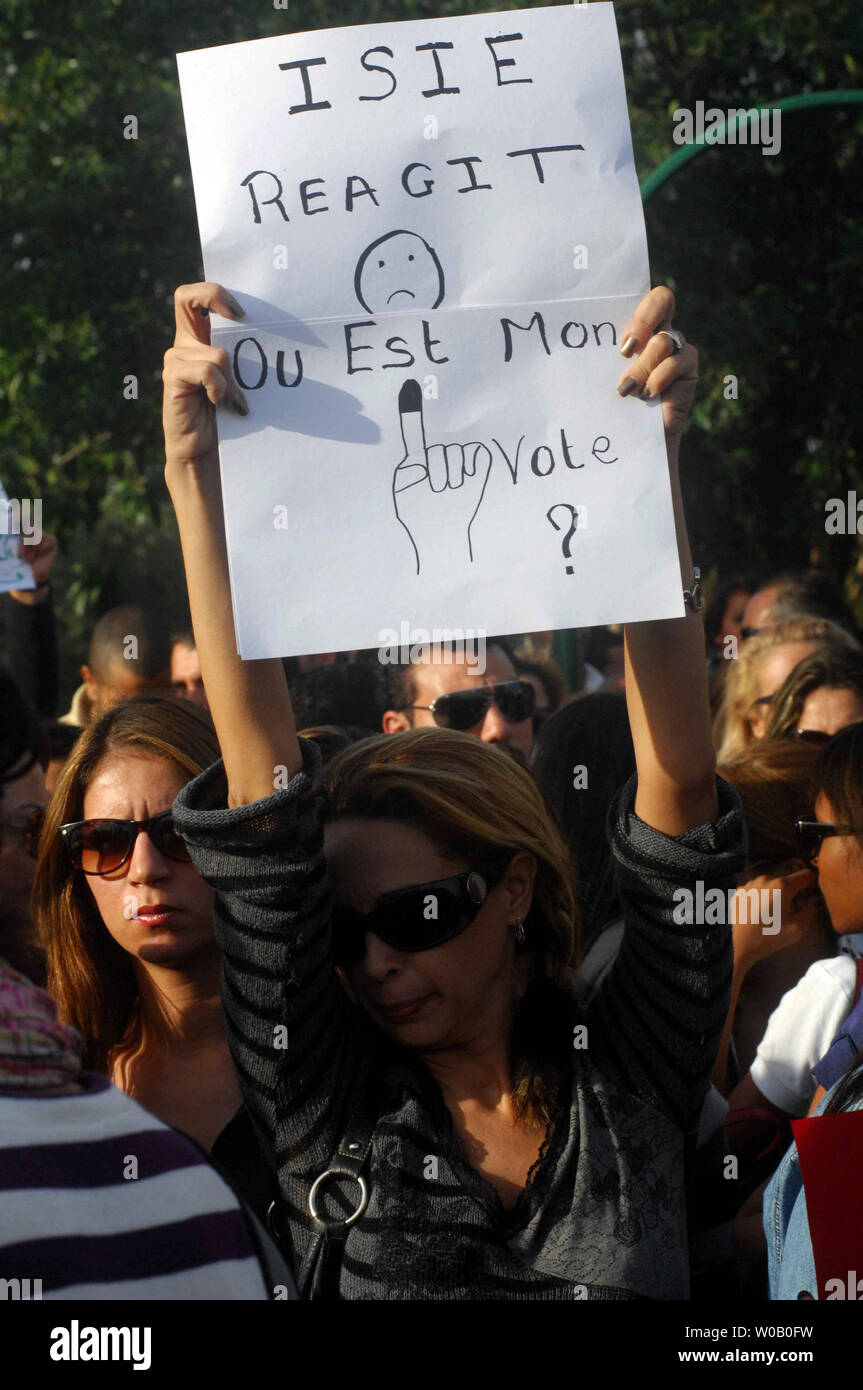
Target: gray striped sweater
{"x": 603, "y": 1216}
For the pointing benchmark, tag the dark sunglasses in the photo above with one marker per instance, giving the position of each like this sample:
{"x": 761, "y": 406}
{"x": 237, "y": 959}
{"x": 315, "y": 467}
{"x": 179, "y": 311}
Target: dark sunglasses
{"x": 811, "y": 834}
{"x": 411, "y": 919}
{"x": 812, "y": 736}
{"x": 27, "y": 824}
{"x": 747, "y": 632}
{"x": 102, "y": 846}
{"x": 464, "y": 709}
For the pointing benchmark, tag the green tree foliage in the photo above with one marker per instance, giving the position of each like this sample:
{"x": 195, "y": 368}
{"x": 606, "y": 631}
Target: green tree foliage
{"x": 96, "y": 229}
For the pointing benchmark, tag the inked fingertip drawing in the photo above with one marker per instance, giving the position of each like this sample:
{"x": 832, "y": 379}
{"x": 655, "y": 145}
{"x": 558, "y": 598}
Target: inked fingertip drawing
{"x": 437, "y": 489}
{"x": 399, "y": 271}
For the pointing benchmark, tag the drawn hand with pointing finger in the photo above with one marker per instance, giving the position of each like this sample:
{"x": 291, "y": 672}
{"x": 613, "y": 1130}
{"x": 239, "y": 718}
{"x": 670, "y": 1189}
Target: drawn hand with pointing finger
{"x": 437, "y": 488}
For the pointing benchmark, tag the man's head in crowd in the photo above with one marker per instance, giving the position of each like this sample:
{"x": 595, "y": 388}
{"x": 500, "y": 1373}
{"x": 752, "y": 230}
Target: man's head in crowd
{"x": 22, "y": 797}
{"x": 130, "y": 654}
{"x": 414, "y": 689}
{"x": 807, "y": 593}
{"x": 723, "y": 616}
{"x": 186, "y": 669}
{"x": 346, "y": 696}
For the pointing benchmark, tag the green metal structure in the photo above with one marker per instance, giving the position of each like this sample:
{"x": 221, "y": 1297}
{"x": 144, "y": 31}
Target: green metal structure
{"x": 682, "y": 156}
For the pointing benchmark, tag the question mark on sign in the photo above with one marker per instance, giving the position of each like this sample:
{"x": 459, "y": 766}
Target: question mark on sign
{"x": 573, "y": 512}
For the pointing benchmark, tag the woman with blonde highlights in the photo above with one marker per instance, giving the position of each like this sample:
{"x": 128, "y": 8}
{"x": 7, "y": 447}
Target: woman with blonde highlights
{"x": 821, "y": 696}
{"x": 758, "y": 671}
{"x": 127, "y": 925}
{"x": 400, "y": 938}
{"x": 484, "y": 810}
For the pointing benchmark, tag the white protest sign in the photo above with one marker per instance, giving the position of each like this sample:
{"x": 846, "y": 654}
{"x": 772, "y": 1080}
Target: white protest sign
{"x": 435, "y": 231}
{"x": 15, "y": 573}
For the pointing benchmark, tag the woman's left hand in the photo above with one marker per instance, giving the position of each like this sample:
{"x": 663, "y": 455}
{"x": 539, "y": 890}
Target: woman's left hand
{"x": 792, "y": 900}
{"x": 657, "y": 368}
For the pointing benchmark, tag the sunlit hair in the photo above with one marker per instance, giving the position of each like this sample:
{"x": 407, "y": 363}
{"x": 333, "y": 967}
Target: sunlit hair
{"x": 732, "y": 729}
{"x": 89, "y": 975}
{"x": 477, "y": 805}
{"x": 776, "y": 783}
{"x": 834, "y": 668}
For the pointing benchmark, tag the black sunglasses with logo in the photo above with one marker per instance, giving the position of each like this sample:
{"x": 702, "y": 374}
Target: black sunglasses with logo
{"x": 411, "y": 919}
{"x": 812, "y": 833}
{"x": 103, "y": 846}
{"x": 464, "y": 709}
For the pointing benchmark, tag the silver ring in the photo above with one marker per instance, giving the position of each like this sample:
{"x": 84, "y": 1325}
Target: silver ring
{"x": 675, "y": 338}
{"x": 346, "y": 1173}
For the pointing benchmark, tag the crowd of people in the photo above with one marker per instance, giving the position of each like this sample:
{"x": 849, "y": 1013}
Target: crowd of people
{"x": 433, "y": 980}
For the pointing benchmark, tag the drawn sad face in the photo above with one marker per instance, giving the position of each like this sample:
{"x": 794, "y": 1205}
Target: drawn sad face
{"x": 399, "y": 271}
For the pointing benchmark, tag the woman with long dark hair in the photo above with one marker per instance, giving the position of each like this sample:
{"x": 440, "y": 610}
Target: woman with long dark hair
{"x": 127, "y": 925}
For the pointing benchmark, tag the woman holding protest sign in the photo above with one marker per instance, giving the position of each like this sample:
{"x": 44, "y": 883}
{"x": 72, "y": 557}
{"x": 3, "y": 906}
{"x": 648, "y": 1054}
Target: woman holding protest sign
{"x": 400, "y": 939}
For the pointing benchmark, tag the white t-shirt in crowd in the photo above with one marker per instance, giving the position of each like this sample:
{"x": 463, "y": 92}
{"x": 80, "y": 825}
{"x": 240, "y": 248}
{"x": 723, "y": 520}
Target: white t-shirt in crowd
{"x": 802, "y": 1027}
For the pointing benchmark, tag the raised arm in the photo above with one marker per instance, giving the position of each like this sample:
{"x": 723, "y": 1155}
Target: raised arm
{"x": 249, "y": 700}
{"x": 666, "y": 670}
{"x": 300, "y": 1048}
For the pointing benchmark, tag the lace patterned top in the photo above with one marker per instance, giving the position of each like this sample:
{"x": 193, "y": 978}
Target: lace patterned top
{"x": 603, "y": 1216}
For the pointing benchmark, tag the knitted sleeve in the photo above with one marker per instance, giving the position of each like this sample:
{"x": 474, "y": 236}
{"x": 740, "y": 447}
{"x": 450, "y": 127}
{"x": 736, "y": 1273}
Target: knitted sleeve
{"x": 298, "y": 1045}
{"x": 662, "y": 1007}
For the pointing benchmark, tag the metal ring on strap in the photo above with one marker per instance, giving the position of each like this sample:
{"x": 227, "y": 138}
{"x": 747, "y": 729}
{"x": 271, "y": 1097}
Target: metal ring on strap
{"x": 346, "y": 1173}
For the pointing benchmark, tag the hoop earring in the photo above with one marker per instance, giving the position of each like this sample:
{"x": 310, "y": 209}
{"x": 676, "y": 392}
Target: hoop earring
{"x": 520, "y": 933}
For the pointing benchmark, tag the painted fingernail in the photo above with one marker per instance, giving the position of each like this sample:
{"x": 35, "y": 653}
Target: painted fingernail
{"x": 240, "y": 404}
{"x": 647, "y": 394}
{"x": 627, "y": 386}
{"x": 628, "y": 346}
{"x": 236, "y": 309}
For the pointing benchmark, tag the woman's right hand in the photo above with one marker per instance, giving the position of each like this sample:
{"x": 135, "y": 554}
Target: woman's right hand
{"x": 197, "y": 377}
{"x": 249, "y": 700}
